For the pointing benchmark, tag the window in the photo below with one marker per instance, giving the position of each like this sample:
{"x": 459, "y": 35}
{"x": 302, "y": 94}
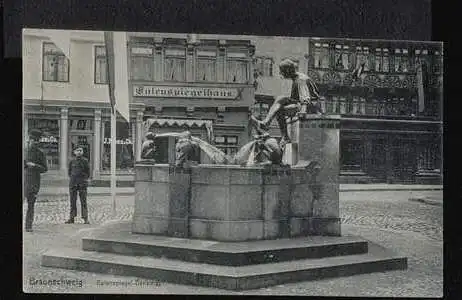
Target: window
{"x": 401, "y": 60}
{"x": 362, "y": 56}
{"x": 385, "y": 61}
{"x": 227, "y": 143}
{"x": 55, "y": 64}
{"x": 100, "y": 65}
{"x": 175, "y": 61}
{"x": 124, "y": 147}
{"x": 381, "y": 60}
{"x": 321, "y": 56}
{"x": 237, "y": 67}
{"x": 421, "y": 56}
{"x": 342, "y": 57}
{"x": 81, "y": 124}
{"x": 142, "y": 63}
{"x": 429, "y": 157}
{"x": 49, "y": 142}
{"x": 264, "y": 66}
{"x": 437, "y": 62}
{"x": 206, "y": 66}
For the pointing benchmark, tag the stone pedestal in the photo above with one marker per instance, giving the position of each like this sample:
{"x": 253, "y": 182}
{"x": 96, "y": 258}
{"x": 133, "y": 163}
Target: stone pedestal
{"x": 318, "y": 139}
{"x": 218, "y": 208}
{"x": 234, "y": 203}
{"x": 161, "y": 200}
{"x": 226, "y": 203}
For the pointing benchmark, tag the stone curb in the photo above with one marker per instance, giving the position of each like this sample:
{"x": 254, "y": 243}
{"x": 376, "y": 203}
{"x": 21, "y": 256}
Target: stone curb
{"x": 55, "y": 197}
{"x": 375, "y": 189}
{"x": 389, "y": 189}
{"x": 59, "y": 196}
{"x": 427, "y": 201}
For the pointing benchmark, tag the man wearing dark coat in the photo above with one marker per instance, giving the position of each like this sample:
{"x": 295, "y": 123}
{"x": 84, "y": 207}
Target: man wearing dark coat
{"x": 34, "y": 164}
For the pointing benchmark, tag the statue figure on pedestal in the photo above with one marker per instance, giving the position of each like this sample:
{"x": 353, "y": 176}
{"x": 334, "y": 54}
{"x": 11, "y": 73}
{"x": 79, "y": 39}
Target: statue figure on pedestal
{"x": 186, "y": 149}
{"x": 148, "y": 148}
{"x": 304, "y": 91}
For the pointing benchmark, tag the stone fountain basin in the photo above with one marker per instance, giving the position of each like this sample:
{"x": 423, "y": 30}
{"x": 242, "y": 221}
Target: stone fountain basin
{"x": 230, "y": 202}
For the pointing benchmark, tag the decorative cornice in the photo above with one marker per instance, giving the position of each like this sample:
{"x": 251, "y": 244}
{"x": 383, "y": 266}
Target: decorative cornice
{"x": 331, "y": 78}
{"x": 319, "y": 121}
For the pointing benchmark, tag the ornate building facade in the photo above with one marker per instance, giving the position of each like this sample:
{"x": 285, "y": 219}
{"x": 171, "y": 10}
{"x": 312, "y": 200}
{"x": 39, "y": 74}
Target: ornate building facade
{"x": 391, "y": 128}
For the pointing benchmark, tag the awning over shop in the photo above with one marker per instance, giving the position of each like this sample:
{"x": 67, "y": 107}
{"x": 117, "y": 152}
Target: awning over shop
{"x": 208, "y": 124}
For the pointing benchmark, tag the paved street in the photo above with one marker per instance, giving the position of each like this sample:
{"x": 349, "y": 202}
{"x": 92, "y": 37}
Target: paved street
{"x": 410, "y": 228}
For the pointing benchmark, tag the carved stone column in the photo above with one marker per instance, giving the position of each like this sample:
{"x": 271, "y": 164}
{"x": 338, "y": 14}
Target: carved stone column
{"x": 63, "y": 139}
{"x": 97, "y": 145}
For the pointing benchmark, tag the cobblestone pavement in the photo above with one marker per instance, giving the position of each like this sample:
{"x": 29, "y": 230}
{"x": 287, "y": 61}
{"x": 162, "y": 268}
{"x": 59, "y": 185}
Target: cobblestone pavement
{"x": 392, "y": 210}
{"x": 409, "y": 228}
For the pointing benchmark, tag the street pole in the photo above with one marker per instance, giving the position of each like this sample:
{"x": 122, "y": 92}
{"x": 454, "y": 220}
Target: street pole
{"x": 113, "y": 160}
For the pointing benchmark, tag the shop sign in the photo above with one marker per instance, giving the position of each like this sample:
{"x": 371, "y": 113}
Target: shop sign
{"x": 118, "y": 142}
{"x": 48, "y": 139}
{"x": 185, "y": 92}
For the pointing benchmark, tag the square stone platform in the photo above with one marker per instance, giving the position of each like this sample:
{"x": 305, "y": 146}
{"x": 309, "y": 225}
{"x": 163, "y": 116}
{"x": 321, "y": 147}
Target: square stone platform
{"x": 114, "y": 249}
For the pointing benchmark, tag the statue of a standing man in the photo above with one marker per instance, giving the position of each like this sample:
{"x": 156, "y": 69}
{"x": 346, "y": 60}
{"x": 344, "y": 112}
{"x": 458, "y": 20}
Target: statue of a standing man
{"x": 303, "y": 91}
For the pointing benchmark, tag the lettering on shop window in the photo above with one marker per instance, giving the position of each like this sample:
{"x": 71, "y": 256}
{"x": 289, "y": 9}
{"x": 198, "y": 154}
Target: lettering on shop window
{"x": 48, "y": 139}
{"x": 118, "y": 142}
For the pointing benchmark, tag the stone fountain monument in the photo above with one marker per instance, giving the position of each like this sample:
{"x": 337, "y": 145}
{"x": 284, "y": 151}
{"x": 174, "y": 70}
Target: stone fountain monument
{"x": 266, "y": 216}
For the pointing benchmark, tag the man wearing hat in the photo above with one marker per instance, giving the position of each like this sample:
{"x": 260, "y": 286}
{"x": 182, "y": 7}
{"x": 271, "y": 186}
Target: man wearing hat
{"x": 79, "y": 172}
{"x": 304, "y": 90}
{"x": 34, "y": 164}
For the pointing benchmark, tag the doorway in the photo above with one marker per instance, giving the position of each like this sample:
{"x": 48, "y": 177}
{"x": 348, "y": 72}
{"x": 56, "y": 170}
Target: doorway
{"x": 404, "y": 160}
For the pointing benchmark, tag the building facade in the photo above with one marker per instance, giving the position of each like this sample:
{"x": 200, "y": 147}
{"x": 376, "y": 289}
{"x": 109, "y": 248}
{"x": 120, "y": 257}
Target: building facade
{"x": 391, "y": 128}
{"x": 203, "y": 84}
{"x": 177, "y": 82}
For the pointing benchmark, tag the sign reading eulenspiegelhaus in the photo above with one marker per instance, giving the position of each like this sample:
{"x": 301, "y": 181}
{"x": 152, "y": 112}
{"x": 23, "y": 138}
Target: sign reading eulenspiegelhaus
{"x": 184, "y": 92}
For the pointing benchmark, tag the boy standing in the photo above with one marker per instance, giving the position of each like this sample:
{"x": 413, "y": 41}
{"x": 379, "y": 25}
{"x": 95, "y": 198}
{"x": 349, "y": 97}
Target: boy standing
{"x": 79, "y": 172}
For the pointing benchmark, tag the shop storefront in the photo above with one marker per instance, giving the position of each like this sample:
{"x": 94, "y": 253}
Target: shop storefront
{"x": 165, "y": 145}
{"x": 125, "y": 154}
{"x": 49, "y": 143}
{"x": 64, "y": 128}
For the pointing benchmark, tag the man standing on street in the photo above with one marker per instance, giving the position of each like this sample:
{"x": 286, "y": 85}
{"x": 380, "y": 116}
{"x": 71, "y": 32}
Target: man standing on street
{"x": 79, "y": 172}
{"x": 34, "y": 164}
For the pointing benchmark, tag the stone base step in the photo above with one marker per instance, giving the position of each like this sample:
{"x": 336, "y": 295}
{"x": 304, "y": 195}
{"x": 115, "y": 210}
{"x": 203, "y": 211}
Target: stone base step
{"x": 118, "y": 239}
{"x": 377, "y": 259}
